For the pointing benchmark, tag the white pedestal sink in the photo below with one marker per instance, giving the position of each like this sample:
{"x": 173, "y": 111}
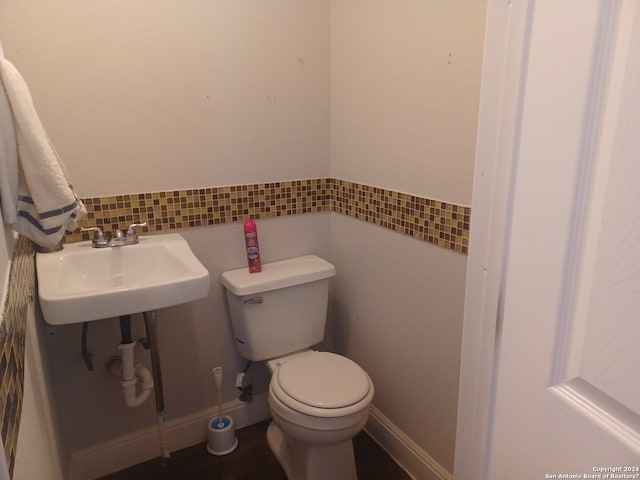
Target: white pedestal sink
{"x": 82, "y": 283}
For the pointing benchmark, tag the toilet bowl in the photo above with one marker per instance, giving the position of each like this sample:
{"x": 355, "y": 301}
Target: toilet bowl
{"x": 319, "y": 401}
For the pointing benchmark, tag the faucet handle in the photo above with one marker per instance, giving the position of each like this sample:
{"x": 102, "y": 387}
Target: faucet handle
{"x": 131, "y": 233}
{"x": 98, "y": 237}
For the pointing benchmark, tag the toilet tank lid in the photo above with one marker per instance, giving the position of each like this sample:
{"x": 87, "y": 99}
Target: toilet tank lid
{"x": 282, "y": 274}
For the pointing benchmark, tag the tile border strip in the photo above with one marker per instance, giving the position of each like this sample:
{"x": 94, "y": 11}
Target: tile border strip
{"x": 20, "y": 295}
{"x": 165, "y": 211}
{"x": 440, "y": 223}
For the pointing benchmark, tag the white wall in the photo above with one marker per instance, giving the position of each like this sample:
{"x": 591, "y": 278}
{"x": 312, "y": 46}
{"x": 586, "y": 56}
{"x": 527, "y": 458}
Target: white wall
{"x": 405, "y": 80}
{"x": 146, "y": 96}
{"x": 404, "y": 94}
{"x": 398, "y": 307}
{"x": 39, "y": 452}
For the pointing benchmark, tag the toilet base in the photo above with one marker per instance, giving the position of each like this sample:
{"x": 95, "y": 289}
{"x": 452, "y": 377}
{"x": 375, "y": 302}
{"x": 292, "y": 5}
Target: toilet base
{"x": 312, "y": 462}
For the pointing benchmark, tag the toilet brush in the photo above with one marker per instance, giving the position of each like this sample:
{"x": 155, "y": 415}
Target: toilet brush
{"x": 222, "y": 437}
{"x": 217, "y": 375}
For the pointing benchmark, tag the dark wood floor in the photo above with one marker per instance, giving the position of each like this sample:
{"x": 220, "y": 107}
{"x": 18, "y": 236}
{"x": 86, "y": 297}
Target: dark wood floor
{"x": 253, "y": 460}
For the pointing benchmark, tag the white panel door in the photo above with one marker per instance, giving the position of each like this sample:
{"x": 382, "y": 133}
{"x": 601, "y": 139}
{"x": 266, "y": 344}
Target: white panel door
{"x": 567, "y": 379}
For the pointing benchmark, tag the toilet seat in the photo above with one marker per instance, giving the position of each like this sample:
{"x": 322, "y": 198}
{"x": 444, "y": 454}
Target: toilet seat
{"x": 322, "y": 384}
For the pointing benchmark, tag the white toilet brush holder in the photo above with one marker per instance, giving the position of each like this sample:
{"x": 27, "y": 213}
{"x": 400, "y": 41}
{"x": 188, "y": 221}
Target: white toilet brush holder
{"x": 221, "y": 437}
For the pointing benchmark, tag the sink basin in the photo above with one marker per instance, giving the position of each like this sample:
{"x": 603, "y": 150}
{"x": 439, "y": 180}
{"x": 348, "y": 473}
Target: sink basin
{"x": 82, "y": 283}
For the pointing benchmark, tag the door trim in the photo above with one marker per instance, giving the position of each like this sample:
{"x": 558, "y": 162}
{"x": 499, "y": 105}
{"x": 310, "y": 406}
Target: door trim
{"x": 507, "y": 38}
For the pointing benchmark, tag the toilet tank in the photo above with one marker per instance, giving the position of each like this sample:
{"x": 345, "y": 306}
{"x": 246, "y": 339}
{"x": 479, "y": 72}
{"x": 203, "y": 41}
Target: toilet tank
{"x": 281, "y": 309}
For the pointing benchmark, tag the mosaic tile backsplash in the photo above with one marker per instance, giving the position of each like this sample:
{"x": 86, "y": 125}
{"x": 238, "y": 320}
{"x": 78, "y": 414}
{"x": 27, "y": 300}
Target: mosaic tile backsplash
{"x": 12, "y": 341}
{"x": 443, "y": 224}
{"x": 440, "y": 223}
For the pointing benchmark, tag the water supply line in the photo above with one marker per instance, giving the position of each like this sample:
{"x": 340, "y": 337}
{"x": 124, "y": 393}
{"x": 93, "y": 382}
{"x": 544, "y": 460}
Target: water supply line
{"x": 151, "y": 326}
{"x": 246, "y": 391}
{"x": 86, "y": 354}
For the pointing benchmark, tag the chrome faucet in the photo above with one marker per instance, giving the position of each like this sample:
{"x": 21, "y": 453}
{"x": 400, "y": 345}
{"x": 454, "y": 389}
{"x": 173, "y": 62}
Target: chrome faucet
{"x": 118, "y": 239}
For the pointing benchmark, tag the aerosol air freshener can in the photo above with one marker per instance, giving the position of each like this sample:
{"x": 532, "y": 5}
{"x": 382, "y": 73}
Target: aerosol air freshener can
{"x": 251, "y": 243}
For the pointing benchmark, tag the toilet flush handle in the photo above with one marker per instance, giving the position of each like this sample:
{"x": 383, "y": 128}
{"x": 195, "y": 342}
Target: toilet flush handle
{"x": 253, "y": 301}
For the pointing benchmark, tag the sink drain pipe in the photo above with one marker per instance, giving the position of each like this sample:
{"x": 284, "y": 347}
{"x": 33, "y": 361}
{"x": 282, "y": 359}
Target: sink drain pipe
{"x": 132, "y": 374}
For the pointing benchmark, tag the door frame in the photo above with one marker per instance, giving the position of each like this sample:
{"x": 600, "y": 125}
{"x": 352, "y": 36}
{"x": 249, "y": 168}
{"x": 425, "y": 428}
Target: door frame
{"x": 507, "y": 38}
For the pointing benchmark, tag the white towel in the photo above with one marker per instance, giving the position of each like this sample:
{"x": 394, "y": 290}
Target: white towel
{"x": 42, "y": 205}
{"x": 8, "y": 161}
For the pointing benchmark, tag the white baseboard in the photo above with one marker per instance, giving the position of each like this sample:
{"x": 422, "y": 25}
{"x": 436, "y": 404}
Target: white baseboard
{"x": 143, "y": 445}
{"x": 416, "y": 462}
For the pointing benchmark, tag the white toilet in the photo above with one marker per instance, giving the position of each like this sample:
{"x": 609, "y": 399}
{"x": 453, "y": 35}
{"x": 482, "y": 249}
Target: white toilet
{"x": 319, "y": 400}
